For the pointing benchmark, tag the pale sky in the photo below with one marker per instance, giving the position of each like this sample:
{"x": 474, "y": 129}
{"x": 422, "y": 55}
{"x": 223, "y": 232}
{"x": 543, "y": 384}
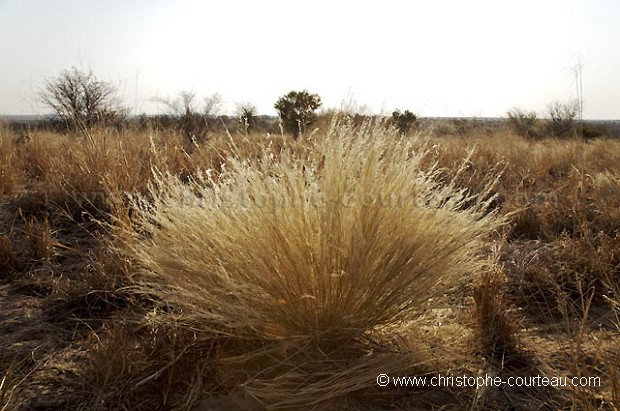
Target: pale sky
{"x": 435, "y": 58}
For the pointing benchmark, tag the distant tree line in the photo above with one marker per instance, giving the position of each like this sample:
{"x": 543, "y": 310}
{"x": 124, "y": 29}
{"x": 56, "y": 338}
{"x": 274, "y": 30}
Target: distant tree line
{"x": 80, "y": 101}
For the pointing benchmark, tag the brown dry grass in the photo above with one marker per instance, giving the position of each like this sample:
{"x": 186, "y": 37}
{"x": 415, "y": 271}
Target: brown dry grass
{"x": 496, "y": 331}
{"x": 10, "y": 163}
{"x": 257, "y": 306}
{"x": 41, "y": 239}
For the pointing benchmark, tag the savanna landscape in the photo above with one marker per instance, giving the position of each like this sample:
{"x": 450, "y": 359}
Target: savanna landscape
{"x": 171, "y": 265}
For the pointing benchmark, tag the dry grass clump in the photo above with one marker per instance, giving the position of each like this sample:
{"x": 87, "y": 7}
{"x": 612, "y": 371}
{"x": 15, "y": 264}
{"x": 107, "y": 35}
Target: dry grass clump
{"x": 9, "y": 382}
{"x": 587, "y": 345}
{"x": 568, "y": 268}
{"x": 496, "y": 331}
{"x": 41, "y": 239}
{"x": 302, "y": 259}
{"x": 90, "y": 170}
{"x": 10, "y": 172}
{"x": 38, "y": 152}
{"x": 147, "y": 367}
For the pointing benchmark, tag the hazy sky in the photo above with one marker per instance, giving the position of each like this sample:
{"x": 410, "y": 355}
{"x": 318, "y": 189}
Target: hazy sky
{"x": 436, "y": 58}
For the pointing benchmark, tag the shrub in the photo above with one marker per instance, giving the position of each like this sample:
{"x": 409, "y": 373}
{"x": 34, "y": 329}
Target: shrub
{"x": 297, "y": 110}
{"x": 301, "y": 258}
{"x": 591, "y": 132}
{"x": 522, "y": 121}
{"x": 404, "y": 121}
{"x": 562, "y": 118}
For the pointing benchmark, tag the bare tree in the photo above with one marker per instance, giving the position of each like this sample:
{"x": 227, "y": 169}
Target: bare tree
{"x": 80, "y": 99}
{"x": 184, "y": 105}
{"x": 212, "y": 105}
{"x": 246, "y": 112}
{"x": 185, "y": 112}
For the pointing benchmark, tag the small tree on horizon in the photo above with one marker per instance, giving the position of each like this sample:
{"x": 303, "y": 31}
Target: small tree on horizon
{"x": 81, "y": 100}
{"x": 246, "y": 113}
{"x": 404, "y": 121}
{"x": 562, "y": 118}
{"x": 297, "y": 110}
{"x": 185, "y": 111}
{"x": 212, "y": 105}
{"x": 522, "y": 121}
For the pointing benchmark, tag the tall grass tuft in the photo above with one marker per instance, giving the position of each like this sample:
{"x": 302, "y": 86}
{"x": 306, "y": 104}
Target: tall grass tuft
{"x": 313, "y": 250}
{"x": 41, "y": 239}
{"x": 10, "y": 173}
{"x": 496, "y": 331}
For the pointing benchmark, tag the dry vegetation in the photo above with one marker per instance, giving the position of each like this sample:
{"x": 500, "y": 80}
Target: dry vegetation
{"x": 140, "y": 270}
